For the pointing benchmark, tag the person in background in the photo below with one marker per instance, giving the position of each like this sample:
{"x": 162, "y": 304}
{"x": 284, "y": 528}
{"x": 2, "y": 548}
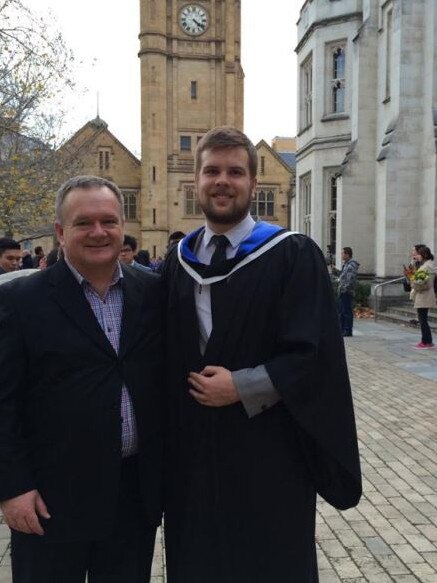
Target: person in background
{"x": 127, "y": 254}
{"x": 39, "y": 254}
{"x": 10, "y": 255}
{"x": 26, "y": 260}
{"x": 346, "y": 285}
{"x": 411, "y": 267}
{"x": 423, "y": 295}
{"x": 173, "y": 240}
{"x": 53, "y": 256}
{"x": 143, "y": 257}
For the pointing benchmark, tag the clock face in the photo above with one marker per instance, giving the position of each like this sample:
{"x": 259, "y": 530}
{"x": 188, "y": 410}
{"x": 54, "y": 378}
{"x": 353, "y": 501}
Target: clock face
{"x": 193, "y": 19}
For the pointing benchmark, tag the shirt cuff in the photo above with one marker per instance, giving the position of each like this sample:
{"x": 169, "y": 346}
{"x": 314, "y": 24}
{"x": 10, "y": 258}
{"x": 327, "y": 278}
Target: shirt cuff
{"x": 255, "y": 389}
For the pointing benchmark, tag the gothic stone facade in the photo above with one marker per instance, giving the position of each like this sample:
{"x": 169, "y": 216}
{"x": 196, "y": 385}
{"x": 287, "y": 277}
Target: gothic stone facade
{"x": 98, "y": 152}
{"x": 366, "y": 159}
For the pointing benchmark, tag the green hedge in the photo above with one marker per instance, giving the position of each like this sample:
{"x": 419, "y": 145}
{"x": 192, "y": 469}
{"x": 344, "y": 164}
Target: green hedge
{"x": 361, "y": 294}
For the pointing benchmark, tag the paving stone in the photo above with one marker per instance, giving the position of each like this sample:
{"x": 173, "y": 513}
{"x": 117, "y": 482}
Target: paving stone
{"x": 329, "y": 576}
{"x": 5, "y": 575}
{"x": 377, "y": 546}
{"x": 420, "y": 543}
{"x": 431, "y": 558}
{"x": 346, "y": 568}
{"x": 407, "y": 554}
{"x": 379, "y": 578}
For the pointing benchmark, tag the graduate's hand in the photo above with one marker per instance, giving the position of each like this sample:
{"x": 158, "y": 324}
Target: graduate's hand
{"x": 213, "y": 387}
{"x": 21, "y": 512}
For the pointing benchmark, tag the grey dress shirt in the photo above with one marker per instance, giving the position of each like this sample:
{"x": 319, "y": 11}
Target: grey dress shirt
{"x": 254, "y": 385}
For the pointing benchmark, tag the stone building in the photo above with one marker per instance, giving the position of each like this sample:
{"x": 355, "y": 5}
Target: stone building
{"x": 94, "y": 150}
{"x": 98, "y": 152}
{"x": 191, "y": 81}
{"x": 366, "y": 157}
{"x": 275, "y": 181}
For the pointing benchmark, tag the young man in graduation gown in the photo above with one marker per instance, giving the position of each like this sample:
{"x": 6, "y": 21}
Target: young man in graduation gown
{"x": 260, "y": 414}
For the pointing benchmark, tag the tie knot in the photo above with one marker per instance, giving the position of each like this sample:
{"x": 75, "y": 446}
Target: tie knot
{"x": 220, "y": 241}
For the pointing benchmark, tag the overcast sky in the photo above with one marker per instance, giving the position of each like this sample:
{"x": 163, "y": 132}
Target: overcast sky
{"x": 104, "y": 37}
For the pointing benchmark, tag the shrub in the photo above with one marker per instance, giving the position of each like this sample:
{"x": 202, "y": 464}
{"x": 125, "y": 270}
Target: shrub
{"x": 362, "y": 294}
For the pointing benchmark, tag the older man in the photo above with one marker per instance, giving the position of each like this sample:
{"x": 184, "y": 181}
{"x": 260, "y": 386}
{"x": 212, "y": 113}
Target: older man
{"x": 80, "y": 445}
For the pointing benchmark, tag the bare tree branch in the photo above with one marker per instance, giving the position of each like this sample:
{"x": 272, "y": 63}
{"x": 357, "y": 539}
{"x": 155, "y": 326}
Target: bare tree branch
{"x": 35, "y": 73}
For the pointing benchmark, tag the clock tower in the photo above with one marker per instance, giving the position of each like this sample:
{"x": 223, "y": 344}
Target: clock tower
{"x": 191, "y": 81}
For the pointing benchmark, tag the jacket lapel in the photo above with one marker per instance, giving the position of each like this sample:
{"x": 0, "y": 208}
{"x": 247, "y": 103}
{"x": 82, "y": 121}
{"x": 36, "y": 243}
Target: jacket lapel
{"x": 133, "y": 311}
{"x": 68, "y": 294}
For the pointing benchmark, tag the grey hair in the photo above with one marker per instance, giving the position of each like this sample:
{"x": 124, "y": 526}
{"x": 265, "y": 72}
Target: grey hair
{"x": 85, "y": 182}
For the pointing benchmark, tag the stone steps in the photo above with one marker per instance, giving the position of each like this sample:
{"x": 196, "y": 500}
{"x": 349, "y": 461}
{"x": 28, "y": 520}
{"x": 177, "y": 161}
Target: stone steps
{"x": 406, "y": 315}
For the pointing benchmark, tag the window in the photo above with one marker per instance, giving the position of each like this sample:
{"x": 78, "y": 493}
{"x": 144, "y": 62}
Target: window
{"x": 192, "y": 207}
{"x": 305, "y": 191}
{"x": 338, "y": 67}
{"x": 264, "y": 203}
{"x": 331, "y": 206}
{"x": 388, "y": 53}
{"x": 130, "y": 205}
{"x": 193, "y": 89}
{"x": 104, "y": 158}
{"x": 154, "y": 173}
{"x": 185, "y": 143}
{"x": 262, "y": 165}
{"x": 306, "y": 94}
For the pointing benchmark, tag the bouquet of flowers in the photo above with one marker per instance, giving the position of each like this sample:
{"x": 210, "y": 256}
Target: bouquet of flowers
{"x": 419, "y": 277}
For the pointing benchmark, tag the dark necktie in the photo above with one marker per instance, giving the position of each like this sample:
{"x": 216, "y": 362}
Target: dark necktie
{"x": 217, "y": 289}
{"x": 220, "y": 242}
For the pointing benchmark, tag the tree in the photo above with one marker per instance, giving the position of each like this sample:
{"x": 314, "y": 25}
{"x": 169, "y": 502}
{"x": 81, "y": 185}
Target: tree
{"x": 35, "y": 67}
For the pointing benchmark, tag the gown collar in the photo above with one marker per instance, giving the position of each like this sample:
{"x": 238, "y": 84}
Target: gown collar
{"x": 263, "y": 237}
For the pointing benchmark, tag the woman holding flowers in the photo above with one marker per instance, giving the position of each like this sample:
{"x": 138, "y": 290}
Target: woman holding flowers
{"x": 422, "y": 293}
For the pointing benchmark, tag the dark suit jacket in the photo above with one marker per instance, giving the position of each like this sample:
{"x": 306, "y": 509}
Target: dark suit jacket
{"x": 60, "y": 392}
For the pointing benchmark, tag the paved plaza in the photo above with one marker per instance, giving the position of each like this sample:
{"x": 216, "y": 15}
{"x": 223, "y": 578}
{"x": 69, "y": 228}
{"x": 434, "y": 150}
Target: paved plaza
{"x": 392, "y": 535}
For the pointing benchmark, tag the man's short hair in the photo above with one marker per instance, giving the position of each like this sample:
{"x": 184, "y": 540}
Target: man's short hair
{"x": 176, "y": 236}
{"x": 85, "y": 182}
{"x": 130, "y": 242}
{"x": 6, "y": 243}
{"x": 348, "y": 251}
{"x": 227, "y": 137}
{"x": 38, "y": 250}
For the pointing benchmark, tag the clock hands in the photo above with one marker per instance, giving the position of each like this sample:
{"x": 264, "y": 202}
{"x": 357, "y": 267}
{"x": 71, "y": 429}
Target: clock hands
{"x": 193, "y": 19}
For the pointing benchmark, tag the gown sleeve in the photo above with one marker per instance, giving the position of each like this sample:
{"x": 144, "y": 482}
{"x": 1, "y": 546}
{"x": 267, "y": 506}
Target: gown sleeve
{"x": 309, "y": 371}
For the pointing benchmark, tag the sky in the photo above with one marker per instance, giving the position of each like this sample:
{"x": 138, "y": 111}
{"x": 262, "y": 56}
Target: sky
{"x": 103, "y": 35}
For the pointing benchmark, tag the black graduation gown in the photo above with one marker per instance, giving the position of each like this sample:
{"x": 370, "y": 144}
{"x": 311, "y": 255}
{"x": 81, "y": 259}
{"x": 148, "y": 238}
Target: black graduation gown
{"x": 240, "y": 499}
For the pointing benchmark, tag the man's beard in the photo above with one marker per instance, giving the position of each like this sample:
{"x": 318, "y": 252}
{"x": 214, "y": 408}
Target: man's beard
{"x": 232, "y": 216}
